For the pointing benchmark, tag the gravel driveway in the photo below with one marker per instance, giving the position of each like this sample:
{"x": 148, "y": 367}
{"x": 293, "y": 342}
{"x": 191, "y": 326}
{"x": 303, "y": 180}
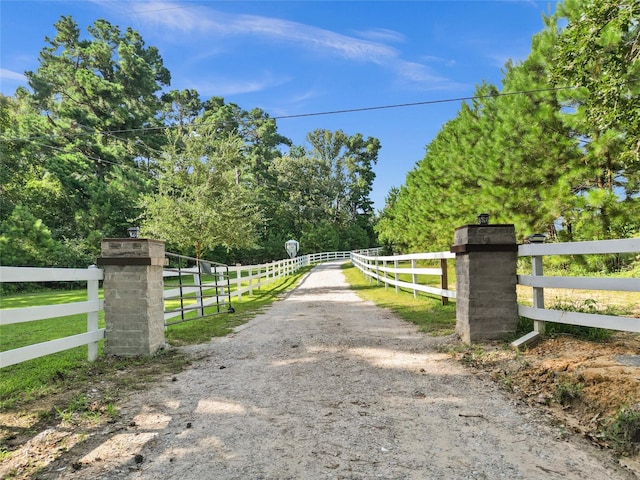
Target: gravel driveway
{"x": 325, "y": 386}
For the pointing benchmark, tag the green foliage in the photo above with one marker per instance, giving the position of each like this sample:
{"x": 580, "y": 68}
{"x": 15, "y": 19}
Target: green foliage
{"x": 540, "y": 158}
{"x": 89, "y": 90}
{"x": 85, "y": 154}
{"x": 425, "y": 311}
{"x": 567, "y": 391}
{"x": 26, "y": 241}
{"x": 622, "y": 431}
{"x": 319, "y": 238}
{"x": 201, "y": 201}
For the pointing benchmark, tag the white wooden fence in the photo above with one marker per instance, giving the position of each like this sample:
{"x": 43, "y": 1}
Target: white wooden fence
{"x": 250, "y": 277}
{"x": 387, "y": 269}
{"x": 247, "y": 279}
{"x": 384, "y": 269}
{"x": 244, "y": 279}
{"x": 91, "y": 307}
{"x": 539, "y": 282}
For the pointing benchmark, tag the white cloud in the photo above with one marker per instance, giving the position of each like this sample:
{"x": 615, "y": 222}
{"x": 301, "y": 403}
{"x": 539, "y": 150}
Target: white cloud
{"x": 202, "y": 22}
{"x": 381, "y": 35}
{"x": 224, "y": 86}
{"x": 434, "y": 59}
{"x": 9, "y": 75}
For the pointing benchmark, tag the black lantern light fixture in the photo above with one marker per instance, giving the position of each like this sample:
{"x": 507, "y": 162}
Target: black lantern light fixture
{"x": 483, "y": 219}
{"x": 133, "y": 232}
{"x": 537, "y": 238}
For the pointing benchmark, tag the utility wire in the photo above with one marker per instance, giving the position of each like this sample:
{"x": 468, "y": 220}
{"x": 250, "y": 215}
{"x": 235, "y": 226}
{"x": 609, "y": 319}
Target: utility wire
{"x": 313, "y": 114}
{"x": 415, "y": 104}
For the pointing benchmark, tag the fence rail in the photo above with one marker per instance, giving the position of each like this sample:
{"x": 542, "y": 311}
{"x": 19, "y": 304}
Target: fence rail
{"x": 381, "y": 267}
{"x": 91, "y": 308}
{"x": 539, "y": 314}
{"x": 392, "y": 271}
{"x": 386, "y": 270}
{"x": 246, "y": 278}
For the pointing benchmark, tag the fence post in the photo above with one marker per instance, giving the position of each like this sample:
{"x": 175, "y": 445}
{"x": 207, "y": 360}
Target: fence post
{"x": 539, "y": 326}
{"x": 133, "y": 295}
{"x": 444, "y": 280}
{"x": 414, "y": 278}
{"x": 92, "y": 317}
{"x": 384, "y": 273}
{"x": 395, "y": 274}
{"x": 259, "y": 277}
{"x": 239, "y": 280}
{"x": 220, "y": 280}
{"x": 250, "y": 280}
{"x": 486, "y": 301}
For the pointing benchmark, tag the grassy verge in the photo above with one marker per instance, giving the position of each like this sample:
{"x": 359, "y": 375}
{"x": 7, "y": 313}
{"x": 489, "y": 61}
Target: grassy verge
{"x": 426, "y": 311}
{"x": 201, "y": 331}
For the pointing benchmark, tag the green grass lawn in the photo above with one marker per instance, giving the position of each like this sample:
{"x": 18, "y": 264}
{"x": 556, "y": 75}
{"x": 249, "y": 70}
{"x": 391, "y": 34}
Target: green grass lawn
{"x": 426, "y": 310}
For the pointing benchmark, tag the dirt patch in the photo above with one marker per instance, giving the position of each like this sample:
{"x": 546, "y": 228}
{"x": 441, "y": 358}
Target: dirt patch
{"x": 83, "y": 405}
{"x": 586, "y": 386}
{"x": 325, "y": 386}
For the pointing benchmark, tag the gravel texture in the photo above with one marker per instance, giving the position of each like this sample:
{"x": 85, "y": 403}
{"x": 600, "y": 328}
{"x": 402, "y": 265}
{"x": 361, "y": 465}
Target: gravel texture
{"x": 325, "y": 386}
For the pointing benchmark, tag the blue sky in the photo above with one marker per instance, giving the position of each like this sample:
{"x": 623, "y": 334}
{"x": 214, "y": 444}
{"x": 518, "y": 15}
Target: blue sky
{"x": 303, "y": 57}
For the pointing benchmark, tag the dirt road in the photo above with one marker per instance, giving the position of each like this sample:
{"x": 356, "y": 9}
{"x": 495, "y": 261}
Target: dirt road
{"x": 326, "y": 386}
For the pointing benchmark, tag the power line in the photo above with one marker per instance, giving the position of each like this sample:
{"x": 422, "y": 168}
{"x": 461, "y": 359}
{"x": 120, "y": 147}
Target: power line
{"x": 196, "y": 124}
{"x": 415, "y": 104}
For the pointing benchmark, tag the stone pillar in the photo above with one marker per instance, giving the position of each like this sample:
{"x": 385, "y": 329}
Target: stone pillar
{"x": 486, "y": 302}
{"x": 133, "y": 301}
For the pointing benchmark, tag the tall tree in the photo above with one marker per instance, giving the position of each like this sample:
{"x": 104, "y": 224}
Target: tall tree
{"x": 201, "y": 203}
{"x": 598, "y": 53}
{"x": 98, "y": 95}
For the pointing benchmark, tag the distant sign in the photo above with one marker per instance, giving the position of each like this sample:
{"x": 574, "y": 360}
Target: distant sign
{"x": 292, "y": 247}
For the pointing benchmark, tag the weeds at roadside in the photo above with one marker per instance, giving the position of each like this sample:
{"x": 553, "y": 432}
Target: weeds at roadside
{"x": 567, "y": 391}
{"x": 622, "y": 431}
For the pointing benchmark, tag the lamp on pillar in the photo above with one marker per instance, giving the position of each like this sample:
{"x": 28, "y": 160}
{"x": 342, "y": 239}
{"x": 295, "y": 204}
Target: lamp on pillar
{"x": 483, "y": 219}
{"x": 537, "y": 238}
{"x": 133, "y": 232}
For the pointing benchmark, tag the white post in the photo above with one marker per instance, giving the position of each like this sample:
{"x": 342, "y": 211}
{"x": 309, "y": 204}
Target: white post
{"x": 538, "y": 293}
{"x": 250, "y": 280}
{"x": 395, "y": 274}
{"x": 92, "y": 317}
{"x": 259, "y": 277}
{"x": 239, "y": 280}
{"x": 414, "y": 278}
{"x": 384, "y": 274}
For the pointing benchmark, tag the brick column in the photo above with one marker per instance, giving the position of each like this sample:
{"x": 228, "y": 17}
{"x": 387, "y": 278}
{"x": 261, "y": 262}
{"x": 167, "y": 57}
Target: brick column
{"x": 133, "y": 302}
{"x": 486, "y": 302}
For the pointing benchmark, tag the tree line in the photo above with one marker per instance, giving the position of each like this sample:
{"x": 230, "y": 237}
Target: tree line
{"x": 555, "y": 149}
{"x": 98, "y": 143}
